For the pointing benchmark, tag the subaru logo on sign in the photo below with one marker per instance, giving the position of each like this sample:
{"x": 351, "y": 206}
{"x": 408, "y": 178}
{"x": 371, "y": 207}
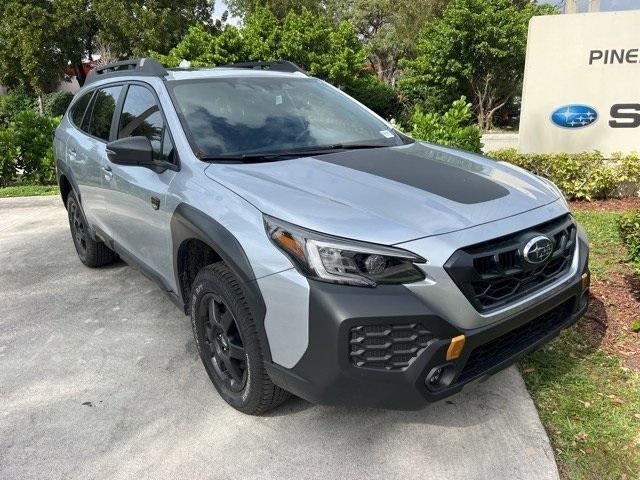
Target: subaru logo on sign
{"x": 538, "y": 249}
{"x": 574, "y": 116}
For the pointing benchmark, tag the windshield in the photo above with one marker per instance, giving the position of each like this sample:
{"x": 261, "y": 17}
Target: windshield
{"x": 235, "y": 116}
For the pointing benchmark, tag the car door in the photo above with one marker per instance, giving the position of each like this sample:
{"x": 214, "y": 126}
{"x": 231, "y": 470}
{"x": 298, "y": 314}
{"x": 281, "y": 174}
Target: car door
{"x": 137, "y": 195}
{"x": 86, "y": 153}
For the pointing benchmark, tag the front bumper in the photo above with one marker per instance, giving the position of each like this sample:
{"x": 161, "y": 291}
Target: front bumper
{"x": 327, "y": 374}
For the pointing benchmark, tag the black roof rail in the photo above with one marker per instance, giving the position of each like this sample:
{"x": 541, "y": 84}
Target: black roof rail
{"x": 276, "y": 66}
{"x": 144, "y": 66}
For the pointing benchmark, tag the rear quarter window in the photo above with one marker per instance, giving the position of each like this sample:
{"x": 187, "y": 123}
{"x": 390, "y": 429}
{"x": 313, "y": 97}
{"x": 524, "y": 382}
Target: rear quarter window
{"x": 104, "y": 106}
{"x": 78, "y": 109}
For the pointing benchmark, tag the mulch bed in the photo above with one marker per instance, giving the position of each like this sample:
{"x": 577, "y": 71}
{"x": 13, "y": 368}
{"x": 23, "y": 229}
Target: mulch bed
{"x": 614, "y": 306}
{"x": 611, "y": 205}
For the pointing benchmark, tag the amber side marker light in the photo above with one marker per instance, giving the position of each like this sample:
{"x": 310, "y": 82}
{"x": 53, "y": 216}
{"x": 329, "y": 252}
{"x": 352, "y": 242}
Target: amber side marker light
{"x": 586, "y": 280}
{"x": 455, "y": 347}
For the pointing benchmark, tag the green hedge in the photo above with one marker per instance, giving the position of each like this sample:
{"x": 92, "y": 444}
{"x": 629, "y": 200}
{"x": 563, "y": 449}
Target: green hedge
{"x": 629, "y": 227}
{"x": 452, "y": 128}
{"x": 26, "y": 148}
{"x": 55, "y": 104}
{"x": 584, "y": 176}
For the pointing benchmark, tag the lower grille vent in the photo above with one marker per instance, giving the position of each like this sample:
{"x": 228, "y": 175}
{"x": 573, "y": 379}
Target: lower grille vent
{"x": 387, "y": 347}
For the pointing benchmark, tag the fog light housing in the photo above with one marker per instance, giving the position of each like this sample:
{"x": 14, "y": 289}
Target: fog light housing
{"x": 440, "y": 376}
{"x": 586, "y": 280}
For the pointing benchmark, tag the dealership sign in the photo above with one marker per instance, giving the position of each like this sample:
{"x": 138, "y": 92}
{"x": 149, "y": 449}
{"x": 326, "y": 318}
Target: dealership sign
{"x": 582, "y": 84}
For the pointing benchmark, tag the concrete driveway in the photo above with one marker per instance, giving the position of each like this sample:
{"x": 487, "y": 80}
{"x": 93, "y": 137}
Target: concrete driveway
{"x": 99, "y": 378}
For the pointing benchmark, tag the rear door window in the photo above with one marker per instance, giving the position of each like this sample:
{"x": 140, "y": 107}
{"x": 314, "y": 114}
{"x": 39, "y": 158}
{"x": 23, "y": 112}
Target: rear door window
{"x": 104, "y": 106}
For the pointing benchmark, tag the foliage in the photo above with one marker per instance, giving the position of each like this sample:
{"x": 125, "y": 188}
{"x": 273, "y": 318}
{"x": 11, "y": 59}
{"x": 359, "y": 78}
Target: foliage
{"x": 16, "y": 100}
{"x": 40, "y": 37}
{"x": 580, "y": 176}
{"x": 29, "y": 46}
{"x": 451, "y": 128}
{"x": 25, "y": 146}
{"x": 387, "y": 27}
{"x": 56, "y": 104}
{"x": 477, "y": 48}
{"x": 311, "y": 41}
{"x": 133, "y": 28}
{"x": 629, "y": 228}
{"x": 378, "y": 96}
{"x": 280, "y": 8}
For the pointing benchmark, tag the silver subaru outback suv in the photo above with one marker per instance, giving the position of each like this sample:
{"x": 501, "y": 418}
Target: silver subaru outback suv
{"x": 317, "y": 250}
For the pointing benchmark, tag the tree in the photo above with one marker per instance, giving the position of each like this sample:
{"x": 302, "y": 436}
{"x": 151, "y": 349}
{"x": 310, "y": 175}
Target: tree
{"x": 39, "y": 38}
{"x": 29, "y": 46}
{"x": 387, "y": 27}
{"x": 477, "y": 48}
{"x": 280, "y": 8}
{"x": 133, "y": 28}
{"x": 311, "y": 41}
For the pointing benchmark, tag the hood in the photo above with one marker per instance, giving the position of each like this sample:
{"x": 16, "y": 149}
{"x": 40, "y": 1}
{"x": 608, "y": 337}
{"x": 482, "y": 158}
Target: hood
{"x": 387, "y": 195}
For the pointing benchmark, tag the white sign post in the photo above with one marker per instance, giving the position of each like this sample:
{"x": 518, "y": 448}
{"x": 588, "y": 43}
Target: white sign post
{"x": 582, "y": 84}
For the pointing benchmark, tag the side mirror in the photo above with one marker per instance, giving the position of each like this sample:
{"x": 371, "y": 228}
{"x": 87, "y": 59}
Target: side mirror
{"x": 135, "y": 151}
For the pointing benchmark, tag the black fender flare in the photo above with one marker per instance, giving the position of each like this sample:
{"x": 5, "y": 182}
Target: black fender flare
{"x": 188, "y": 223}
{"x": 64, "y": 169}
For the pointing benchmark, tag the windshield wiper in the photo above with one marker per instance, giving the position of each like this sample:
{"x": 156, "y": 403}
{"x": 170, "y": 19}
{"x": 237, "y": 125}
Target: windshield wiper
{"x": 297, "y": 152}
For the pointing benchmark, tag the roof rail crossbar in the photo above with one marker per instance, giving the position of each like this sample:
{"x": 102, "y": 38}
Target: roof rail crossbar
{"x": 276, "y": 66}
{"x": 147, "y": 66}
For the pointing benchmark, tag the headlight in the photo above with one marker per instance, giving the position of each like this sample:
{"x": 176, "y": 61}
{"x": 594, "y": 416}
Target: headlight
{"x": 338, "y": 260}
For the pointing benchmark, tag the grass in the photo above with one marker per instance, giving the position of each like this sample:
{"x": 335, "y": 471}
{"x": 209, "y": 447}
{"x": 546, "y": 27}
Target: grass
{"x": 28, "y": 191}
{"x": 588, "y": 403}
{"x": 608, "y": 253}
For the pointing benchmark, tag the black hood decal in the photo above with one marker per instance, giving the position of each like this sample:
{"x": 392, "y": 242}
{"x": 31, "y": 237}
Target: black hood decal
{"x": 454, "y": 180}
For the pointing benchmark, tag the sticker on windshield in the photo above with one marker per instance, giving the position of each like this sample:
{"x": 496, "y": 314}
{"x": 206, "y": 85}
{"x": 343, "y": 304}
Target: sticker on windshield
{"x": 278, "y": 99}
{"x": 386, "y": 133}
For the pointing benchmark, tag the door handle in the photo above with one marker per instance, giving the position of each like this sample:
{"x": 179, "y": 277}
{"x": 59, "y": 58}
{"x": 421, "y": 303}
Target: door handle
{"x": 108, "y": 173}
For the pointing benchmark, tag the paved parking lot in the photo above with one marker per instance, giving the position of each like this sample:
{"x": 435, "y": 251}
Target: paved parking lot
{"x": 99, "y": 378}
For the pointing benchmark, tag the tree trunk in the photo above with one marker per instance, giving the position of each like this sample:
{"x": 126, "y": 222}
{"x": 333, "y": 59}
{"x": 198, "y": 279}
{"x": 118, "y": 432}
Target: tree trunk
{"x": 40, "y": 104}
{"x": 80, "y": 76}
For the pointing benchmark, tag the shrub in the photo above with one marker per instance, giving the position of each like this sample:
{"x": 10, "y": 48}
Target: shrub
{"x": 378, "y": 96}
{"x": 585, "y": 176}
{"x": 451, "y": 129}
{"x": 55, "y": 104}
{"x": 26, "y": 147}
{"x": 15, "y": 101}
{"x": 629, "y": 228}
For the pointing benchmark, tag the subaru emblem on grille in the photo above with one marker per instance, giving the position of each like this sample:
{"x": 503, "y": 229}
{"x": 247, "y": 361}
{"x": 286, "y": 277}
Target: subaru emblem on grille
{"x": 538, "y": 249}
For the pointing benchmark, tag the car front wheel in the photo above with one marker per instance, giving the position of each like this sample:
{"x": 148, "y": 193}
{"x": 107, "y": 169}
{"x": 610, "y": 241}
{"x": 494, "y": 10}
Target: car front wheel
{"x": 228, "y": 342}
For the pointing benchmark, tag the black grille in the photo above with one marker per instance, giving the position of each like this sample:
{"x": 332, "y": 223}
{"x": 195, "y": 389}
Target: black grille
{"x": 387, "y": 347}
{"x": 496, "y": 351}
{"x": 493, "y": 274}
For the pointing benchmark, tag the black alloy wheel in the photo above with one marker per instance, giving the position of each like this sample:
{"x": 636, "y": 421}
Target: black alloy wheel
{"x": 226, "y": 335}
{"x": 78, "y": 229}
{"x": 224, "y": 343}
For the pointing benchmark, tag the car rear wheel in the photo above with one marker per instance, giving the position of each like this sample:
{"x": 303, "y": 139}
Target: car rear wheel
{"x": 92, "y": 253}
{"x": 228, "y": 342}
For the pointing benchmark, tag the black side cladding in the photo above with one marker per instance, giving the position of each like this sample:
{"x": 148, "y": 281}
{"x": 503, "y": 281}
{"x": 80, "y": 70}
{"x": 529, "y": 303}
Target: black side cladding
{"x": 190, "y": 223}
{"x": 432, "y": 175}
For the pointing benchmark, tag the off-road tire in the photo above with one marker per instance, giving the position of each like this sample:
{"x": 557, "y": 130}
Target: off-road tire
{"x": 257, "y": 394}
{"x": 93, "y": 253}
